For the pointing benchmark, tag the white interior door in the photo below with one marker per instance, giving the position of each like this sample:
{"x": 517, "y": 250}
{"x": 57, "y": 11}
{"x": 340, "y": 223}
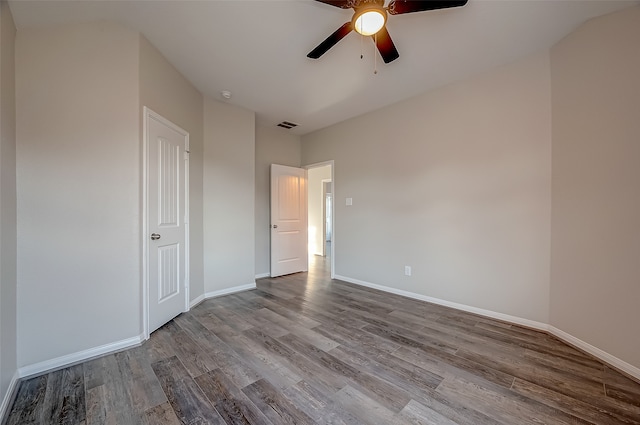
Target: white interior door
{"x": 288, "y": 220}
{"x": 167, "y": 207}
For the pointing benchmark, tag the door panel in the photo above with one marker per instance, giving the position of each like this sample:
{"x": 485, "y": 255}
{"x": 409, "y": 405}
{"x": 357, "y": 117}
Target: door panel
{"x": 169, "y": 181}
{"x": 166, "y": 190}
{"x": 288, "y": 199}
{"x": 288, "y": 220}
{"x": 168, "y": 272}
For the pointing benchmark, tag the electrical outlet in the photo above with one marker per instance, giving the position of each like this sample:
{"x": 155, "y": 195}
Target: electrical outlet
{"x": 407, "y": 270}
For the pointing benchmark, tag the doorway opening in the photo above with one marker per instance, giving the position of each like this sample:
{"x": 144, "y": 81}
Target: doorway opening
{"x": 321, "y": 217}
{"x": 328, "y": 227}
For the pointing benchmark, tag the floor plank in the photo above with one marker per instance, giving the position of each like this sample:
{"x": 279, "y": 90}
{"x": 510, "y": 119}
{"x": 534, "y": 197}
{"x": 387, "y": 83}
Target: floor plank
{"x": 275, "y": 405}
{"x": 229, "y": 401}
{"x": 186, "y": 398}
{"x": 415, "y": 413}
{"x": 27, "y": 407}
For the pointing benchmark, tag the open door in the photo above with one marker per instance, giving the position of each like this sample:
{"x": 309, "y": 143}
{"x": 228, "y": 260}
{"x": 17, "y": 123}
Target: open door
{"x": 288, "y": 220}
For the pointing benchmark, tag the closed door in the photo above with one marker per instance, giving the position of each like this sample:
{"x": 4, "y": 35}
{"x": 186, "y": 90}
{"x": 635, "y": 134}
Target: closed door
{"x": 288, "y": 220}
{"x": 167, "y": 166}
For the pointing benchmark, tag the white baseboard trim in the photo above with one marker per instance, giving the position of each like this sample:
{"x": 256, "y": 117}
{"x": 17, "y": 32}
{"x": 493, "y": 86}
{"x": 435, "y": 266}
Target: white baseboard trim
{"x": 228, "y": 291}
{"x": 262, "y": 275}
{"x": 221, "y": 292}
{"x": 80, "y": 356}
{"x": 482, "y": 312}
{"x": 8, "y": 396}
{"x": 197, "y": 301}
{"x": 611, "y": 360}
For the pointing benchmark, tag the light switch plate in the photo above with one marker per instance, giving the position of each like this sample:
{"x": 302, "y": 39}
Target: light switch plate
{"x": 349, "y": 202}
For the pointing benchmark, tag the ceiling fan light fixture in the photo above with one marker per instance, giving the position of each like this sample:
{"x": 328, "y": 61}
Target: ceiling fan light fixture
{"x": 369, "y": 21}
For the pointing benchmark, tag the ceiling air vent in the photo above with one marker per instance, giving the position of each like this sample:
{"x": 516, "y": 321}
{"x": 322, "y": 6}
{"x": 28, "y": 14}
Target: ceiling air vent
{"x": 288, "y": 125}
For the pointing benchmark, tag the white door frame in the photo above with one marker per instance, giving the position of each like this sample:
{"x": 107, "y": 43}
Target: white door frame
{"x": 333, "y": 210}
{"x": 324, "y": 215}
{"x": 146, "y": 115}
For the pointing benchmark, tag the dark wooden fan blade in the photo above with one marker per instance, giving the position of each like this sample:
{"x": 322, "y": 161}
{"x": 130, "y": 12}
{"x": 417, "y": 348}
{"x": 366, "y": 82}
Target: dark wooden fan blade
{"x": 331, "y": 41}
{"x": 385, "y": 46}
{"x": 397, "y": 7}
{"x": 342, "y": 4}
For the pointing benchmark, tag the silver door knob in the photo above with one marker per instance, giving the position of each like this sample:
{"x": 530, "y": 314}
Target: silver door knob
{"x": 275, "y": 226}
{"x": 155, "y": 236}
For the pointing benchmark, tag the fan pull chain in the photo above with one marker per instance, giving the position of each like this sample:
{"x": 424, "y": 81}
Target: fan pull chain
{"x": 361, "y": 46}
{"x": 375, "y": 57}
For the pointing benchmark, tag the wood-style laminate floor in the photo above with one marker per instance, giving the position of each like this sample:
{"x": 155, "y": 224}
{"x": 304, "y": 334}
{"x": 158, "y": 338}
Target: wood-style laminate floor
{"x": 304, "y": 349}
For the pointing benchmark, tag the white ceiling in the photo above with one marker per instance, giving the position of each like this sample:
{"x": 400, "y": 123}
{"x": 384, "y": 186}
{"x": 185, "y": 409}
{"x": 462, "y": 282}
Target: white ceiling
{"x": 257, "y": 49}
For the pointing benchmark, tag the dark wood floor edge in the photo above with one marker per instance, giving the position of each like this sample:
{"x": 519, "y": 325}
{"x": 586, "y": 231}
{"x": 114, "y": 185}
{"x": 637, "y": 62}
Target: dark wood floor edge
{"x": 22, "y": 376}
{"x": 605, "y": 358}
{"x": 101, "y": 351}
{"x": 139, "y": 340}
{"x": 9, "y": 398}
{"x": 95, "y": 353}
{"x": 579, "y": 345}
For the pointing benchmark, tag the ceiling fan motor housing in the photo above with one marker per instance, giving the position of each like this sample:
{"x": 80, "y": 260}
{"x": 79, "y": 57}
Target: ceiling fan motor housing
{"x": 363, "y": 3}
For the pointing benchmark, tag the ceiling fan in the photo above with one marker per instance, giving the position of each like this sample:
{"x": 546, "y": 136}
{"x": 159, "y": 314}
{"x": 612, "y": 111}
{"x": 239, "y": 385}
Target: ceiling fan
{"x": 370, "y": 18}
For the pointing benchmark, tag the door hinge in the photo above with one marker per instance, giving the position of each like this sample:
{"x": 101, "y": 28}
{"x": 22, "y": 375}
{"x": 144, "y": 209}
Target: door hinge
{"x": 186, "y": 154}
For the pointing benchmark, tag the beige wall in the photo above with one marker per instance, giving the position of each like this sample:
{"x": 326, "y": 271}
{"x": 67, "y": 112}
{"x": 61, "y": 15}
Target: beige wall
{"x": 167, "y": 92}
{"x": 273, "y": 146}
{"x": 315, "y": 211}
{"x": 8, "y": 279}
{"x": 229, "y": 196}
{"x": 78, "y": 178}
{"x": 455, "y": 183}
{"x": 595, "y": 268}
{"x": 80, "y": 91}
